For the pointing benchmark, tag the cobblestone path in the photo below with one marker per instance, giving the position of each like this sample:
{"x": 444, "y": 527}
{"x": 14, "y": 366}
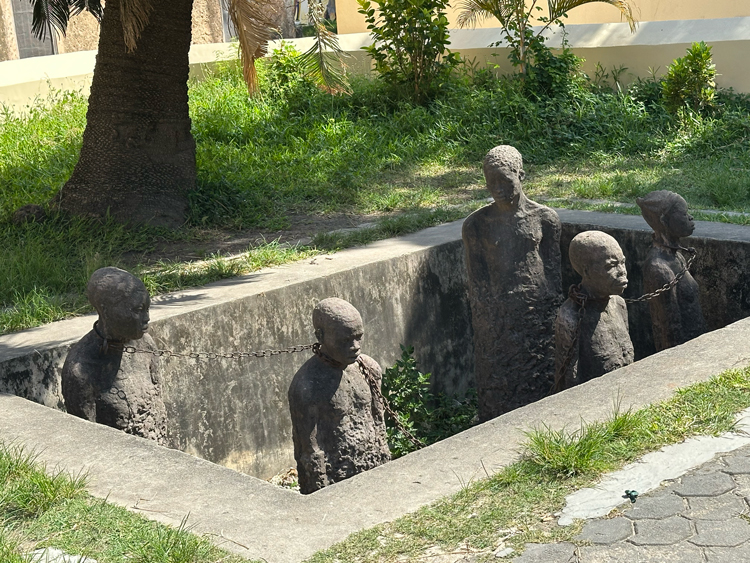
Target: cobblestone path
{"x": 701, "y": 517}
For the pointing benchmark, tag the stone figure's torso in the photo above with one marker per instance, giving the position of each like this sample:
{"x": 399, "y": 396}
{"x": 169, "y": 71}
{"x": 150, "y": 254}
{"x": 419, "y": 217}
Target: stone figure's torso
{"x": 513, "y": 263}
{"x": 676, "y": 315}
{"x": 338, "y": 429}
{"x": 115, "y": 389}
{"x": 604, "y": 343}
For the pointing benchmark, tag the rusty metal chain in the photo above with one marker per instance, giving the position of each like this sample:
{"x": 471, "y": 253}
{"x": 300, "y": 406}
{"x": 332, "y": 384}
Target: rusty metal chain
{"x": 212, "y": 355}
{"x": 375, "y": 390}
{"x": 668, "y": 286}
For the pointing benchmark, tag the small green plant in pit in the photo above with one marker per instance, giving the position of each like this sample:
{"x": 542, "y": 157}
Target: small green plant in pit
{"x": 522, "y": 498}
{"x": 689, "y": 82}
{"x": 428, "y": 416}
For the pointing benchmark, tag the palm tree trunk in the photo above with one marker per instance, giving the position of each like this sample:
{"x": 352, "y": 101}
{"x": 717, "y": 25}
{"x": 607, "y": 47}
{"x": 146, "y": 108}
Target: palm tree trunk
{"x": 137, "y": 161}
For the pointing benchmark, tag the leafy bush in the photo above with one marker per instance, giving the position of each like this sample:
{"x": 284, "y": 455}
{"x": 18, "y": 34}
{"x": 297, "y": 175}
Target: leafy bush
{"x": 549, "y": 74}
{"x": 647, "y": 91}
{"x": 410, "y": 49}
{"x": 427, "y": 416}
{"x": 689, "y": 82}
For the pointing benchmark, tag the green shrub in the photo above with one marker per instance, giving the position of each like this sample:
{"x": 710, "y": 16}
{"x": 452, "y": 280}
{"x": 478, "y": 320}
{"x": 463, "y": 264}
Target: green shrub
{"x": 549, "y": 74}
{"x": 689, "y": 82}
{"x": 429, "y": 417}
{"x": 410, "y": 49}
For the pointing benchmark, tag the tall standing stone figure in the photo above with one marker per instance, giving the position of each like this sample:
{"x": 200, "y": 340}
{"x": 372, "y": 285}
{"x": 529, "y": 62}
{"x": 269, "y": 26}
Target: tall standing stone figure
{"x": 513, "y": 259}
{"x": 101, "y": 383}
{"x": 676, "y": 315}
{"x": 591, "y": 330}
{"x": 338, "y": 424}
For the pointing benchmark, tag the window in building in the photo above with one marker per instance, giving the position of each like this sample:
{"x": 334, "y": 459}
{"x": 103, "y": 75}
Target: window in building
{"x": 28, "y": 44}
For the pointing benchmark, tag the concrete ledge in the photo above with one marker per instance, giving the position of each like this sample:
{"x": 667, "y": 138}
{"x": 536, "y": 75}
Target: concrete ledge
{"x": 410, "y": 290}
{"x": 255, "y": 519}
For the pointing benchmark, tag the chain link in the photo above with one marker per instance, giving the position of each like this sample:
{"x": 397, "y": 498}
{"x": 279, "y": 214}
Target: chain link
{"x": 667, "y": 286}
{"x": 375, "y": 390}
{"x": 212, "y": 355}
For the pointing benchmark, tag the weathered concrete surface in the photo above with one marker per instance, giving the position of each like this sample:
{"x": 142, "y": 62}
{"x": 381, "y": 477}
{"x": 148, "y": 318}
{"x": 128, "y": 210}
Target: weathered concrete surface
{"x": 260, "y": 520}
{"x": 410, "y": 290}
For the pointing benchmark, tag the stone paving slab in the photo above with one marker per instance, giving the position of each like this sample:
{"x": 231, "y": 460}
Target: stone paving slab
{"x": 723, "y": 507}
{"x": 728, "y": 533}
{"x": 629, "y": 553}
{"x": 700, "y": 517}
{"x": 705, "y": 485}
{"x": 605, "y": 532}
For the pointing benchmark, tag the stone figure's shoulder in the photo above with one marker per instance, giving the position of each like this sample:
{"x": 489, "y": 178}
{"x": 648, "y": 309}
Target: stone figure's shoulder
{"x": 371, "y": 364}
{"x": 304, "y": 382}
{"x": 617, "y": 302}
{"x": 546, "y": 214}
{"x": 567, "y": 316}
{"x": 84, "y": 351}
{"x": 657, "y": 267}
{"x": 478, "y": 218}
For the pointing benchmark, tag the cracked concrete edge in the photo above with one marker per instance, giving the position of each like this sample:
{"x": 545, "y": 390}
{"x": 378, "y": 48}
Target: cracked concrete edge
{"x": 256, "y": 519}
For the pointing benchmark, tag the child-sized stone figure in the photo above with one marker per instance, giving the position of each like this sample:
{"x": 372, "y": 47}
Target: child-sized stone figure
{"x": 676, "y": 315}
{"x": 337, "y": 422}
{"x": 596, "y": 342}
{"x": 512, "y": 250}
{"x": 101, "y": 383}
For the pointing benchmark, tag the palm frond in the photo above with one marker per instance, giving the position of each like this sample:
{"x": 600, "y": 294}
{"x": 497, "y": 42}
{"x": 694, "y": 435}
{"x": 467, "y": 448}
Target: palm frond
{"x": 253, "y": 22}
{"x": 557, "y": 8}
{"x": 473, "y": 12}
{"x": 324, "y": 61}
{"x": 134, "y": 16}
{"x": 94, "y": 7}
{"x": 49, "y": 15}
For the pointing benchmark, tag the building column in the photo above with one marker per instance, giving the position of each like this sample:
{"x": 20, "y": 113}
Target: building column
{"x": 8, "y": 42}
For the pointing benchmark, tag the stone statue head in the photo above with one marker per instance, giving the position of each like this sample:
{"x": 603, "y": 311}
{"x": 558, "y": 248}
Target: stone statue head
{"x": 122, "y": 302}
{"x": 667, "y": 213}
{"x": 599, "y": 260}
{"x": 339, "y": 329}
{"x": 503, "y": 172}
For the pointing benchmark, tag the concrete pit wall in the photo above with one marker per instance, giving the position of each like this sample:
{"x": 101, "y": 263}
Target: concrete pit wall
{"x": 410, "y": 290}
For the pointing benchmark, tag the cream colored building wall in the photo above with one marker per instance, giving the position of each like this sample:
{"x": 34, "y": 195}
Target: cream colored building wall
{"x": 8, "y": 44}
{"x": 350, "y": 21}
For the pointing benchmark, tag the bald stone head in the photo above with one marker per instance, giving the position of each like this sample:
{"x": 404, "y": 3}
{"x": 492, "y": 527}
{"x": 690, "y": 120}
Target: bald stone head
{"x": 667, "y": 214}
{"x": 339, "y": 329}
{"x": 503, "y": 171}
{"x": 122, "y": 302}
{"x": 599, "y": 260}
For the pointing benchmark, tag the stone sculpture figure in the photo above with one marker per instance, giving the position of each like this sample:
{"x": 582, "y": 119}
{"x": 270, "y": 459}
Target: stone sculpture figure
{"x": 594, "y": 341}
{"x": 676, "y": 315}
{"x": 103, "y": 384}
{"x": 338, "y": 424}
{"x": 512, "y": 250}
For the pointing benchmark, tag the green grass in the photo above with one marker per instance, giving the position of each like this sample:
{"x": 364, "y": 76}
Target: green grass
{"x": 296, "y": 152}
{"x": 41, "y": 509}
{"x": 517, "y": 505}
